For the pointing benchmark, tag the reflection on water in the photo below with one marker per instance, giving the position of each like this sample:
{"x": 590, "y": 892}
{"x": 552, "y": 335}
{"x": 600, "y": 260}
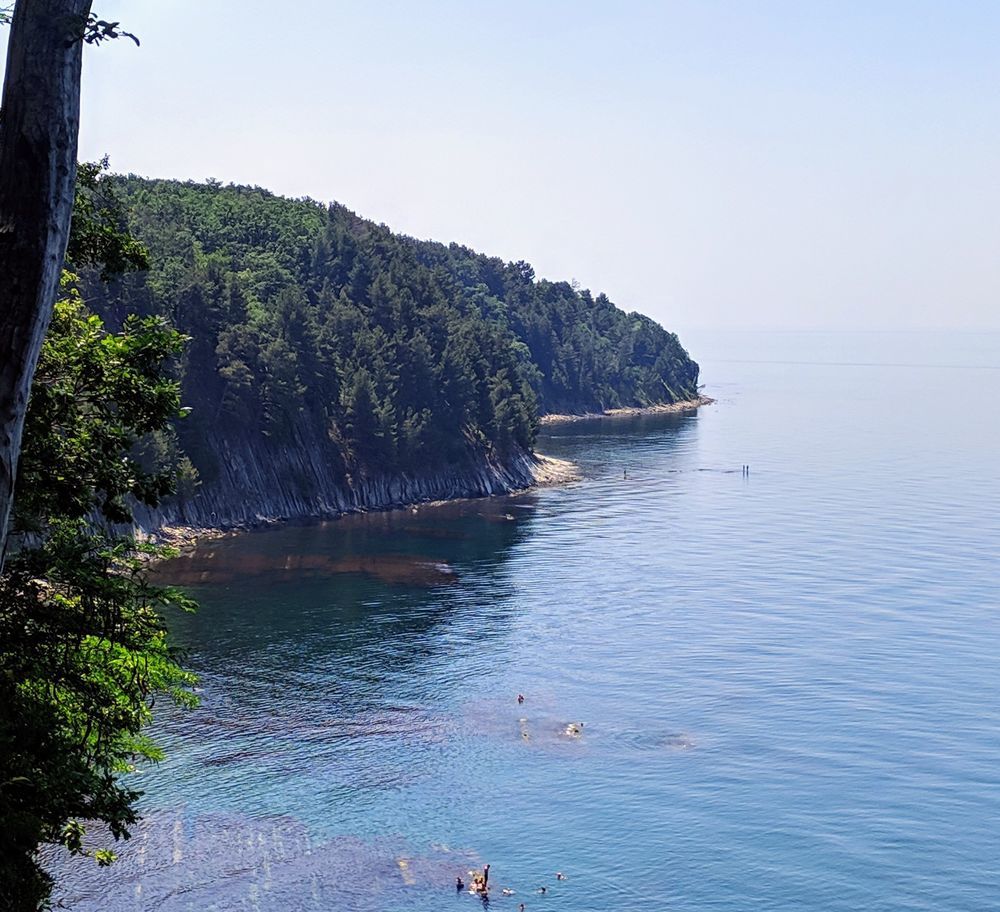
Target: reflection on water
{"x": 774, "y": 692}
{"x": 347, "y": 590}
{"x": 360, "y": 543}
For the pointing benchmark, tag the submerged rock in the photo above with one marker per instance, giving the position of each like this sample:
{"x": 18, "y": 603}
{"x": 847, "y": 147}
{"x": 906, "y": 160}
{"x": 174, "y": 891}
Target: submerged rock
{"x": 201, "y": 567}
{"x": 179, "y": 860}
{"x": 401, "y": 569}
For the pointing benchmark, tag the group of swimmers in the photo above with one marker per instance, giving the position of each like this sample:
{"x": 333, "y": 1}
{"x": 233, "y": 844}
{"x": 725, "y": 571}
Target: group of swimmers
{"x": 572, "y": 729}
{"x": 480, "y": 882}
{"x": 480, "y": 885}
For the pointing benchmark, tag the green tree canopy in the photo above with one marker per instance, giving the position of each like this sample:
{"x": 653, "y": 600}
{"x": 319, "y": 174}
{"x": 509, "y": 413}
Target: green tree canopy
{"x": 84, "y": 650}
{"x": 308, "y": 323}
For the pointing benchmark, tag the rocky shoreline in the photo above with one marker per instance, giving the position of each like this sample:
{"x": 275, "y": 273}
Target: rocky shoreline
{"x": 260, "y": 486}
{"x": 685, "y": 405}
{"x": 526, "y": 471}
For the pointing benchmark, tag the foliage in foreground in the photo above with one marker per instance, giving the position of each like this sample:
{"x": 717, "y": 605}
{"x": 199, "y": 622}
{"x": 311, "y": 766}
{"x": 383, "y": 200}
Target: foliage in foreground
{"x": 84, "y": 655}
{"x": 84, "y": 651}
{"x": 96, "y": 393}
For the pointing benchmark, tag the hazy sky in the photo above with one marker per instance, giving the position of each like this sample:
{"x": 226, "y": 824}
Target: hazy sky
{"x": 796, "y": 164}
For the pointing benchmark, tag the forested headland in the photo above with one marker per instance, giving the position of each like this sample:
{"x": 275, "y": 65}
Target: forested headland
{"x": 219, "y": 355}
{"x": 336, "y": 364}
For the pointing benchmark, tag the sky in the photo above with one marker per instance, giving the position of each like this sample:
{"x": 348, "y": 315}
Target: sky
{"x": 716, "y": 165}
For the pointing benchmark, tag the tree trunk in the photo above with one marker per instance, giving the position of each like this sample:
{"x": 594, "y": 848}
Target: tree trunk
{"x": 39, "y": 122}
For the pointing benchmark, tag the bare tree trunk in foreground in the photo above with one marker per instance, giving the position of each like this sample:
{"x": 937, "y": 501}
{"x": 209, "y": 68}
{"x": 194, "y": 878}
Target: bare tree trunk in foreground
{"x": 39, "y": 123}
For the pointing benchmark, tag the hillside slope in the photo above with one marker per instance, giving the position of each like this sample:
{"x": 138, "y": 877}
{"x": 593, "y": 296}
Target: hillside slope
{"x": 333, "y": 364}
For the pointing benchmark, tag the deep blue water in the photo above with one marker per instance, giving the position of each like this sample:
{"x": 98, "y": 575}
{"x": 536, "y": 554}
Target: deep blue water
{"x": 788, "y": 683}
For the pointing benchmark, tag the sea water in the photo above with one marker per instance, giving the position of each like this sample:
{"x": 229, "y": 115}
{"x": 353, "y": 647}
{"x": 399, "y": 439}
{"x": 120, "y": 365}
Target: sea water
{"x": 768, "y": 689}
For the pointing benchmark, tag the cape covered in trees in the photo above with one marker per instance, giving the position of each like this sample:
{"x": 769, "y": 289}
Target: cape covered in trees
{"x": 312, "y": 328}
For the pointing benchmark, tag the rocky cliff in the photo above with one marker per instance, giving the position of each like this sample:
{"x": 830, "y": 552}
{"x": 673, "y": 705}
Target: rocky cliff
{"x": 257, "y": 485}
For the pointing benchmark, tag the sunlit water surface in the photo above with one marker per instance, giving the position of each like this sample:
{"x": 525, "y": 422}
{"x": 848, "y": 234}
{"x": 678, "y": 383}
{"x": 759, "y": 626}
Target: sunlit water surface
{"x": 787, "y": 682}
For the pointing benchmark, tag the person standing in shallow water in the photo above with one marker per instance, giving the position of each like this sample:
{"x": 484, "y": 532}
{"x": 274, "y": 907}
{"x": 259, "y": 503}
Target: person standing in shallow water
{"x": 481, "y": 882}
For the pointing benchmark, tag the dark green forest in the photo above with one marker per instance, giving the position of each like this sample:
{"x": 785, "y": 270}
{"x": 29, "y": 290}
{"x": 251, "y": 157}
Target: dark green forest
{"x": 307, "y": 321}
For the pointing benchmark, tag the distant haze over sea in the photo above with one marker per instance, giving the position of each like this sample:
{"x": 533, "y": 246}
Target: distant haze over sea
{"x": 717, "y": 165}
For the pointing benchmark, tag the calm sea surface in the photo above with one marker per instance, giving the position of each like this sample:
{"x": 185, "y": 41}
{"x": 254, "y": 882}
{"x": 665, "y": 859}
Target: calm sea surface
{"x": 787, "y": 684}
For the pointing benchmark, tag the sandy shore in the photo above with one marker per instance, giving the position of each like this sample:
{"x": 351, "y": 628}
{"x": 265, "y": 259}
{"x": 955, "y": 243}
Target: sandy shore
{"x": 552, "y": 471}
{"x": 686, "y": 405}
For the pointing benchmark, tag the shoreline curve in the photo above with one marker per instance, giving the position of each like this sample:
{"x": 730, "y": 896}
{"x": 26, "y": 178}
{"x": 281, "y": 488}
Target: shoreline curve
{"x": 546, "y": 471}
{"x": 684, "y": 405}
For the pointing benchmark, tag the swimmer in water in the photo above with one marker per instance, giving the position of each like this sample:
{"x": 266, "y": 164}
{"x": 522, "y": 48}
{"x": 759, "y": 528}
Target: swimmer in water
{"x": 459, "y": 884}
{"x": 520, "y": 698}
{"x": 560, "y": 875}
{"x": 542, "y": 890}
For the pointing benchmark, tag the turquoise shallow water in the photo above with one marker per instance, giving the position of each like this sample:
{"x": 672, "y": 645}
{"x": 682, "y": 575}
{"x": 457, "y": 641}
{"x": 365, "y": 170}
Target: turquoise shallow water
{"x": 787, "y": 682}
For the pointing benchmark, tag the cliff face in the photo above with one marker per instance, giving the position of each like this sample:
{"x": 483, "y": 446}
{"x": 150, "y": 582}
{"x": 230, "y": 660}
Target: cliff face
{"x": 333, "y": 365}
{"x": 257, "y": 483}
